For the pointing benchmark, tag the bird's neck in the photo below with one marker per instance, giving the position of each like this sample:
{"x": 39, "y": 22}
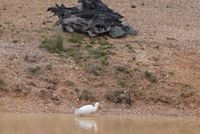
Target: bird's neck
{"x": 96, "y": 107}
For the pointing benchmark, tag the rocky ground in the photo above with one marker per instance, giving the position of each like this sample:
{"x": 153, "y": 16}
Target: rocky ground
{"x": 156, "y": 72}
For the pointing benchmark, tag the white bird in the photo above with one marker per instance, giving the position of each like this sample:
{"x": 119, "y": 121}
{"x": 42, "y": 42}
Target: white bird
{"x": 87, "y": 109}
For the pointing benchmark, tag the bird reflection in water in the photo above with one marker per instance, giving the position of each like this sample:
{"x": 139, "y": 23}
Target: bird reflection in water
{"x": 86, "y": 124}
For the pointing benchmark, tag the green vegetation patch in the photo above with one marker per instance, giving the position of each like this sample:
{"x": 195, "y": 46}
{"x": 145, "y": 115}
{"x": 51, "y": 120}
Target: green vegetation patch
{"x": 122, "y": 82}
{"x": 85, "y": 49}
{"x": 54, "y": 44}
{"x": 74, "y": 52}
{"x": 122, "y": 69}
{"x": 187, "y": 90}
{"x": 97, "y": 53}
{"x": 101, "y": 52}
{"x": 129, "y": 47}
{"x": 34, "y": 70}
{"x": 76, "y": 38}
{"x": 1, "y": 31}
{"x": 2, "y": 84}
{"x": 14, "y": 41}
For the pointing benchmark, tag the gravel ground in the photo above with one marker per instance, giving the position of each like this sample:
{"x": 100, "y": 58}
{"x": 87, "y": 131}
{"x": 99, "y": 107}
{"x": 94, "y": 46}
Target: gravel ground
{"x": 163, "y": 61}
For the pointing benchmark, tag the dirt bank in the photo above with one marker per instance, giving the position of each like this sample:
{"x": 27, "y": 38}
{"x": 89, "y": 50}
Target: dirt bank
{"x": 160, "y": 66}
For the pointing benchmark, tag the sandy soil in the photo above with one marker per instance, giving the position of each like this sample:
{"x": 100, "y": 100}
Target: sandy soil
{"x": 167, "y": 46}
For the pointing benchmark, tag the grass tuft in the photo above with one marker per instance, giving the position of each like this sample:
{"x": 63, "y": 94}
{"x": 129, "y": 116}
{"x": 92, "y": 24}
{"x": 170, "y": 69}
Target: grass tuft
{"x": 14, "y": 41}
{"x": 74, "y": 52}
{"x": 76, "y": 38}
{"x": 2, "y": 84}
{"x": 34, "y": 70}
{"x": 123, "y": 69}
{"x": 55, "y": 44}
{"x": 59, "y": 41}
{"x": 1, "y": 31}
{"x": 122, "y": 82}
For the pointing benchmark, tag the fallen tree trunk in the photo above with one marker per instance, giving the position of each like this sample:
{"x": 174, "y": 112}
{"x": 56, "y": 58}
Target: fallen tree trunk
{"x": 91, "y": 17}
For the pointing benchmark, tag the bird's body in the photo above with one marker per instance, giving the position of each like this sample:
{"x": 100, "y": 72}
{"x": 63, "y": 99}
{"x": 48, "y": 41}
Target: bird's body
{"x": 87, "y": 109}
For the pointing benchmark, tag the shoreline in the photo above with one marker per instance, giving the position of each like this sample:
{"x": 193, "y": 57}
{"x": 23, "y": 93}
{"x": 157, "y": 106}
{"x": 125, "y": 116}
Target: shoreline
{"x": 10, "y": 105}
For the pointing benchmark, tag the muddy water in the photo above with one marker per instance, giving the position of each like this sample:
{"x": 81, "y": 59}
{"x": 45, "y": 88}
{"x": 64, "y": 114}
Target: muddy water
{"x": 68, "y": 124}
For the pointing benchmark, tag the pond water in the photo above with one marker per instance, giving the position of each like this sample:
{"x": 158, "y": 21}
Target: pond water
{"x": 68, "y": 124}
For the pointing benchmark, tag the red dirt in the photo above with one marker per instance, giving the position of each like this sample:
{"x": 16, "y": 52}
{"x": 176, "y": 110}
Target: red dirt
{"x": 167, "y": 45}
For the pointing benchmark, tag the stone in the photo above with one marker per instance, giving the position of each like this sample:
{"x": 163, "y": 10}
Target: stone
{"x": 150, "y": 76}
{"x": 117, "y": 32}
{"x": 95, "y": 69}
{"x": 119, "y": 96}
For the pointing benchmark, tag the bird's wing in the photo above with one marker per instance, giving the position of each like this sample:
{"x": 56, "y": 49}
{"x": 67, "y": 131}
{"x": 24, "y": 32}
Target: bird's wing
{"x": 84, "y": 110}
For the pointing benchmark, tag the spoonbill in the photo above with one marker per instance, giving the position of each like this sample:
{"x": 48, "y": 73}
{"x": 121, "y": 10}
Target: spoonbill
{"x": 87, "y": 109}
